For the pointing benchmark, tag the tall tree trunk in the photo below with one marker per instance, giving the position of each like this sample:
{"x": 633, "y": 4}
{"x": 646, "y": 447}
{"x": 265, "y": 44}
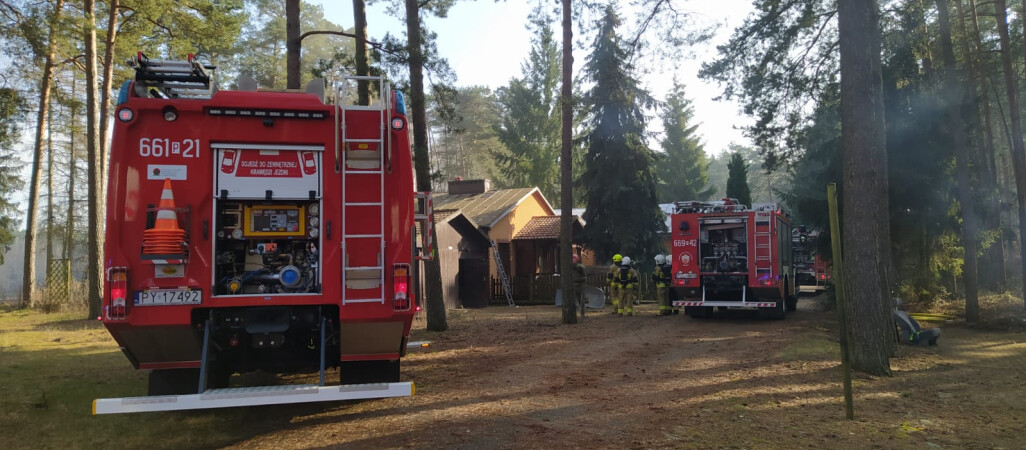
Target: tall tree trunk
{"x": 566, "y": 176}
{"x": 292, "y": 44}
{"x": 108, "y": 84}
{"x": 49, "y": 189}
{"x": 67, "y": 250}
{"x": 1018, "y": 155}
{"x": 436, "y": 320}
{"x": 864, "y": 148}
{"x": 956, "y": 129}
{"x": 362, "y": 57}
{"x": 993, "y": 274}
{"x": 93, "y": 151}
{"x": 29, "y": 275}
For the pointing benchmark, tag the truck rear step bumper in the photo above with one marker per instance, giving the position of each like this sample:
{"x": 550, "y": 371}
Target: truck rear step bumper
{"x": 252, "y": 396}
{"x": 728, "y": 304}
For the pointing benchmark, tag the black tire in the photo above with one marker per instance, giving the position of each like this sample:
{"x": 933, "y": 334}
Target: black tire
{"x": 173, "y": 382}
{"x": 698, "y": 312}
{"x": 777, "y": 312}
{"x": 780, "y": 312}
{"x": 791, "y": 300}
{"x": 792, "y": 304}
{"x": 364, "y": 372}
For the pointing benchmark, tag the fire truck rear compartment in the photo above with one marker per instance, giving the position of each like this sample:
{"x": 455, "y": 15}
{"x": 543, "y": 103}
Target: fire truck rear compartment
{"x": 724, "y": 258}
{"x": 725, "y": 287}
{"x": 723, "y": 248}
{"x": 266, "y": 247}
{"x": 273, "y": 338}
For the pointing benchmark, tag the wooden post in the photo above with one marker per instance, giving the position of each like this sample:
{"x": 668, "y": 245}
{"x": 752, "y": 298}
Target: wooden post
{"x": 835, "y": 244}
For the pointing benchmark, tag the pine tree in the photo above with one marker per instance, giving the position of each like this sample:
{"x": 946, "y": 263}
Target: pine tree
{"x": 737, "y": 181}
{"x": 11, "y": 105}
{"x": 436, "y": 319}
{"x": 465, "y": 140}
{"x": 530, "y": 121}
{"x": 683, "y": 168}
{"x": 622, "y": 211}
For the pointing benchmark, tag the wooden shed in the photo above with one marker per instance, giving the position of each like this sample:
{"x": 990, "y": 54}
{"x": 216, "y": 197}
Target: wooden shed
{"x": 499, "y": 214}
{"x": 463, "y": 258}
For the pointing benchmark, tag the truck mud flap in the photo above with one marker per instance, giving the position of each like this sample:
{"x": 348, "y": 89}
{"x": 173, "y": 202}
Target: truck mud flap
{"x": 252, "y": 396}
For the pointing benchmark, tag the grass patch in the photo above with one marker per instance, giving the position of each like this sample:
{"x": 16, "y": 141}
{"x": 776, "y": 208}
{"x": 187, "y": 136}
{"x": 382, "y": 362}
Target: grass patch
{"x": 809, "y": 347}
{"x": 54, "y": 365}
{"x": 998, "y": 311}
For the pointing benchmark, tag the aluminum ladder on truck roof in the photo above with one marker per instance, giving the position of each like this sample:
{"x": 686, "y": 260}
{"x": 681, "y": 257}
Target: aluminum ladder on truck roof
{"x": 763, "y": 244}
{"x": 172, "y": 78}
{"x": 363, "y": 164}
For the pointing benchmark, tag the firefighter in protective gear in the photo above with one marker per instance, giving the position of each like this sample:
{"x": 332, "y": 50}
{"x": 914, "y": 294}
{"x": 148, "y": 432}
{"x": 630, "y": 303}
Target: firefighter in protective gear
{"x": 628, "y": 281}
{"x": 669, "y": 282}
{"x": 661, "y": 278}
{"x": 614, "y": 286}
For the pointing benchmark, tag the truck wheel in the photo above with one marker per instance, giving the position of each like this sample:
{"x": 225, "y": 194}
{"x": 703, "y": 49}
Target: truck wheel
{"x": 792, "y": 300}
{"x": 776, "y": 312}
{"x": 698, "y": 312}
{"x": 792, "y": 304}
{"x": 363, "y": 372}
{"x": 173, "y": 382}
{"x": 779, "y": 311}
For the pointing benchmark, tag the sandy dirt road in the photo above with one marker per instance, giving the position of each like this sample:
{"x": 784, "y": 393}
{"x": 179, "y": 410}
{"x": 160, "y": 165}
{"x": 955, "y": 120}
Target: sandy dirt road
{"x": 514, "y": 378}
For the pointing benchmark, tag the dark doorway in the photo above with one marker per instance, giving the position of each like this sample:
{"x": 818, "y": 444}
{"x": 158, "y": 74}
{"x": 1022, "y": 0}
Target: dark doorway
{"x": 473, "y": 282}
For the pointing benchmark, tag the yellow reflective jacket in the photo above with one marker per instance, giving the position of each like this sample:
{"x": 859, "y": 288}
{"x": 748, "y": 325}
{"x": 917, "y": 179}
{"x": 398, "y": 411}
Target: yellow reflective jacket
{"x": 614, "y": 271}
{"x": 626, "y": 277}
{"x": 661, "y": 275}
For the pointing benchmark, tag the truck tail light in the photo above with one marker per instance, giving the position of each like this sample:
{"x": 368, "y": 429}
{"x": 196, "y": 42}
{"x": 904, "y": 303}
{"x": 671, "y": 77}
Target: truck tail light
{"x": 401, "y": 287}
{"x": 125, "y": 115}
{"x": 117, "y": 309}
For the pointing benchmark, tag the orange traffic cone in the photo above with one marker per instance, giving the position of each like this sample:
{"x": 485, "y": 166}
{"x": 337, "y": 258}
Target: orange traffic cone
{"x": 165, "y": 238}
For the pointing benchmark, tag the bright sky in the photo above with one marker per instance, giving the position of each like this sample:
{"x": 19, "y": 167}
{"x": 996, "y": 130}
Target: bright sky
{"x": 486, "y": 42}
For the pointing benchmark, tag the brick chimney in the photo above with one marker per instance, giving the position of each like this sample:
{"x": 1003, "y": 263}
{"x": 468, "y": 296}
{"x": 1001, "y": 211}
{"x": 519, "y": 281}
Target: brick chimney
{"x": 461, "y": 186}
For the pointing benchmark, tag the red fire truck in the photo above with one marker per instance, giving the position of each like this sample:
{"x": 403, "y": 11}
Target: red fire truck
{"x": 255, "y": 230}
{"x": 812, "y": 268}
{"x": 727, "y": 255}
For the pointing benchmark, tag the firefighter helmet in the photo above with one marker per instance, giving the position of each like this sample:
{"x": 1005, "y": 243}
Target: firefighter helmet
{"x": 669, "y": 258}
{"x": 660, "y": 259}
{"x": 626, "y": 261}
{"x": 617, "y": 258}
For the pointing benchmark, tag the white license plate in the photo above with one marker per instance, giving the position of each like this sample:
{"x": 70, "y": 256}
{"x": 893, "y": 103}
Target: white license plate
{"x": 169, "y": 297}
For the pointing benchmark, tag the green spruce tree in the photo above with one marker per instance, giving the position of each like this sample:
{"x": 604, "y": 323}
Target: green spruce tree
{"x": 682, "y": 168}
{"x": 737, "y": 180}
{"x": 11, "y": 106}
{"x": 530, "y": 116}
{"x": 622, "y": 210}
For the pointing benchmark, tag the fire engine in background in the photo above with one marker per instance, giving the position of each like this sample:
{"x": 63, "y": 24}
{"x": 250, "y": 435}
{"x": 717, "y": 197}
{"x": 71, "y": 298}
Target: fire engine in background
{"x": 811, "y": 267}
{"x": 254, "y": 230}
{"x": 726, "y": 255}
